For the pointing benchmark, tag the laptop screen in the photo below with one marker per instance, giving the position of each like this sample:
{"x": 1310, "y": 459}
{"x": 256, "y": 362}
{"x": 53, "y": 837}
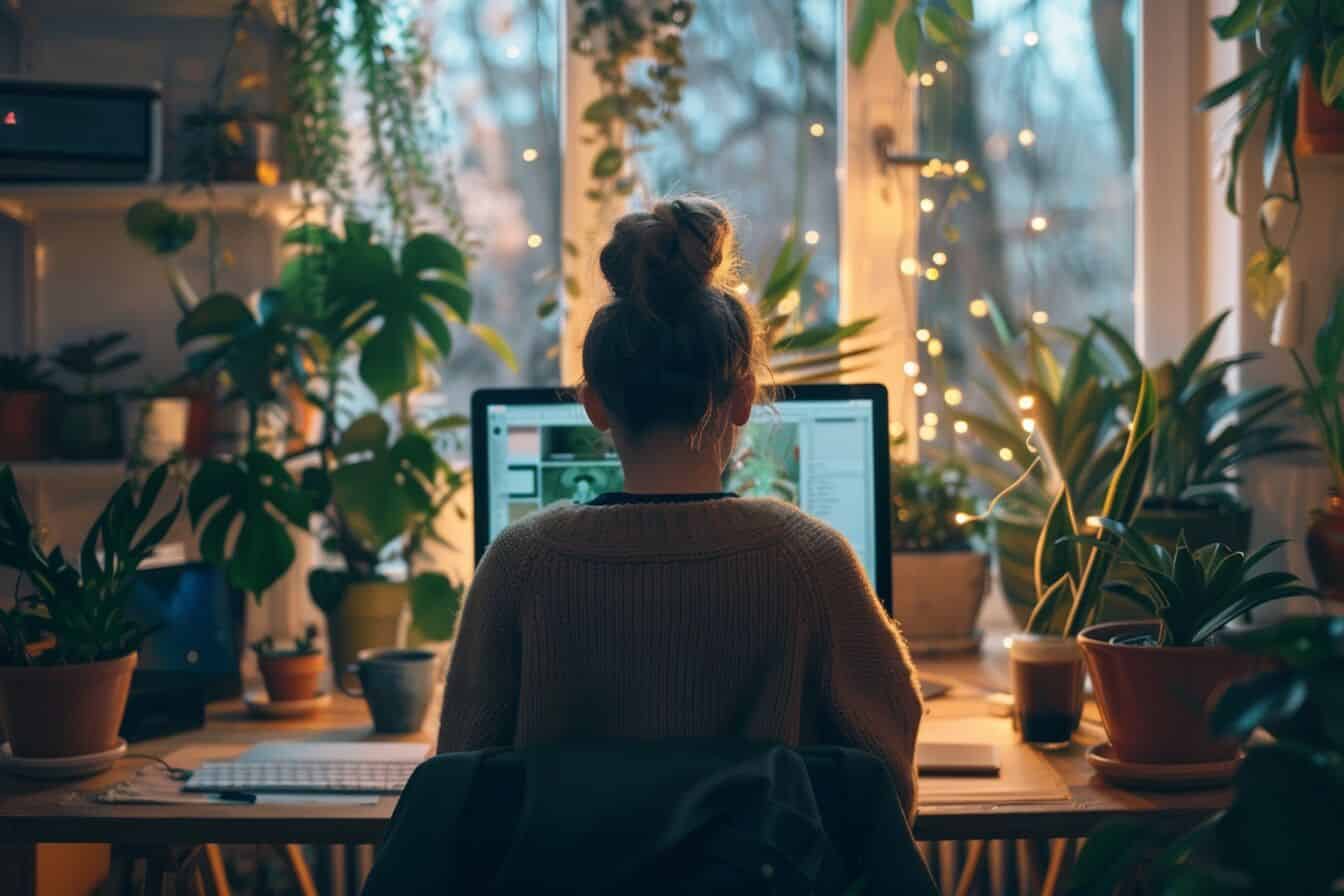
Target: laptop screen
{"x": 822, "y": 448}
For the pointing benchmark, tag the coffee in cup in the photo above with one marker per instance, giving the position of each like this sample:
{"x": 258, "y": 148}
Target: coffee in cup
{"x": 398, "y": 686}
{"x": 1047, "y": 675}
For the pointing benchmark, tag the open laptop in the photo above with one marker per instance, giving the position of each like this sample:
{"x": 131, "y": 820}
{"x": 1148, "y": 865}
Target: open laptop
{"x": 823, "y": 448}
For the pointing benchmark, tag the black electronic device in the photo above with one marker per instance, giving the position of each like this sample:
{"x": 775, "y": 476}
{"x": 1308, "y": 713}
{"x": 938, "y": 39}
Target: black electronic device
{"x": 79, "y": 132}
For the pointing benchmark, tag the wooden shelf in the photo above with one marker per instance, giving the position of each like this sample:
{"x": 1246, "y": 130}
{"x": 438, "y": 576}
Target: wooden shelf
{"x": 74, "y": 472}
{"x": 25, "y": 202}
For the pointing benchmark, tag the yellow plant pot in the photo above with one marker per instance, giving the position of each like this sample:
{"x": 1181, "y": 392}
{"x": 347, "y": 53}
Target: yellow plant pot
{"x": 370, "y": 615}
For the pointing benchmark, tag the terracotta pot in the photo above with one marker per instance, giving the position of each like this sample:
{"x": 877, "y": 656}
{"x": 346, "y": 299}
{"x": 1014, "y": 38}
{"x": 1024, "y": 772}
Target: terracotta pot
{"x": 1325, "y": 547}
{"x": 1320, "y": 128}
{"x": 937, "y": 595}
{"x": 1155, "y": 701}
{"x": 54, "y": 711}
{"x": 369, "y": 615}
{"x": 200, "y": 440}
{"x": 25, "y": 424}
{"x": 292, "y": 676}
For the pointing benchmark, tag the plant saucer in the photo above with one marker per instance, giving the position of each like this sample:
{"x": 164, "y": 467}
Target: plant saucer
{"x": 259, "y": 704}
{"x": 1161, "y": 775}
{"x": 62, "y": 767}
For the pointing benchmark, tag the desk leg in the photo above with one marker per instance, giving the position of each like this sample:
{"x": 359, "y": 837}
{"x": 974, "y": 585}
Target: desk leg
{"x": 1061, "y": 863}
{"x": 292, "y": 853}
{"x": 970, "y": 867}
{"x": 216, "y": 877}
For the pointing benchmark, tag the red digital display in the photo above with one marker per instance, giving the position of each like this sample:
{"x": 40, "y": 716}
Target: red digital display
{"x": 11, "y": 118}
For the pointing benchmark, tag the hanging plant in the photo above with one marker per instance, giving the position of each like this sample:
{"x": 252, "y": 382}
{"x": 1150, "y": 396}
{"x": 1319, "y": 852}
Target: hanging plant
{"x": 942, "y": 24}
{"x": 612, "y": 34}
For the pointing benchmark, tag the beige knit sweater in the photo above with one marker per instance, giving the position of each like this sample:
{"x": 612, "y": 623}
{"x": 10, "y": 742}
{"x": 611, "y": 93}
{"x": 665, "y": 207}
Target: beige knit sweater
{"x": 727, "y": 617}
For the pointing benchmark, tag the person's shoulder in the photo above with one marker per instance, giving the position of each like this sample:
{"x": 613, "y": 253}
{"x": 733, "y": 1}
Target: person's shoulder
{"x": 813, "y": 536}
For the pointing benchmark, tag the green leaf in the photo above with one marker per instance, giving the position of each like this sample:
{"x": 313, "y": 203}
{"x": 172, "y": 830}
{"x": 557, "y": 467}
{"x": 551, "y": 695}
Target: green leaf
{"x": 864, "y": 29}
{"x": 1265, "y": 699}
{"x": 159, "y": 228}
{"x": 221, "y": 314}
{"x": 822, "y": 335}
{"x": 390, "y": 361}
{"x": 1111, "y": 853}
{"x": 453, "y": 293}
{"x": 943, "y": 29}
{"x": 365, "y": 434}
{"x": 1197, "y": 350}
{"x": 313, "y": 235}
{"x": 608, "y": 162}
{"x": 1055, "y": 558}
{"x": 431, "y": 252}
{"x": 496, "y": 343}
{"x": 1239, "y": 22}
{"x": 327, "y": 588}
{"x": 909, "y": 37}
{"x": 435, "y": 602}
{"x": 1332, "y": 72}
{"x": 963, "y": 8}
{"x": 262, "y": 554}
{"x": 449, "y": 422}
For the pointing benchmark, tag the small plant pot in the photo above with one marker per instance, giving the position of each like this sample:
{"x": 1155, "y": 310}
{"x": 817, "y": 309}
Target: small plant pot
{"x": 936, "y": 597}
{"x": 50, "y": 712}
{"x": 159, "y": 428}
{"x": 1325, "y": 548}
{"x": 1320, "y": 128}
{"x": 91, "y": 428}
{"x": 1155, "y": 701}
{"x": 25, "y": 425}
{"x": 370, "y": 615}
{"x": 292, "y": 676}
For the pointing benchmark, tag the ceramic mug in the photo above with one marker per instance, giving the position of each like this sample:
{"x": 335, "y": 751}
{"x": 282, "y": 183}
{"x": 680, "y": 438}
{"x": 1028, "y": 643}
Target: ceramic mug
{"x": 398, "y": 686}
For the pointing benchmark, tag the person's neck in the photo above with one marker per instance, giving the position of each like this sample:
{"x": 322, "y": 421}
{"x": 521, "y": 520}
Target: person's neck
{"x": 669, "y": 466}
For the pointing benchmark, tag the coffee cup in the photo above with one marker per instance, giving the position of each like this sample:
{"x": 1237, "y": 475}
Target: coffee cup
{"x": 397, "y": 684}
{"x": 1047, "y": 675}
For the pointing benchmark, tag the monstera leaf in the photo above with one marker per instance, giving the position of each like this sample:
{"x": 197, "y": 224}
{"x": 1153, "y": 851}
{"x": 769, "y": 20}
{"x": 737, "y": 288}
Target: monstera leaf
{"x": 383, "y": 487}
{"x": 435, "y": 600}
{"x": 256, "y": 495}
{"x": 401, "y": 304}
{"x": 253, "y": 349}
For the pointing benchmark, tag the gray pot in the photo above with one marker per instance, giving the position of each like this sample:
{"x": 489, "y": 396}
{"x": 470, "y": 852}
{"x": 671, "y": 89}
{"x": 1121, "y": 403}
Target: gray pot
{"x": 936, "y": 597}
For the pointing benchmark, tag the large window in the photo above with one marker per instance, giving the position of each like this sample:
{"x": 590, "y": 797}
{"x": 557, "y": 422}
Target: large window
{"x": 757, "y": 128}
{"x": 1030, "y": 202}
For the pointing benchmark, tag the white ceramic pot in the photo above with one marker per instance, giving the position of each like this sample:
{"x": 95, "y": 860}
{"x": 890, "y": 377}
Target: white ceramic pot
{"x": 936, "y": 598}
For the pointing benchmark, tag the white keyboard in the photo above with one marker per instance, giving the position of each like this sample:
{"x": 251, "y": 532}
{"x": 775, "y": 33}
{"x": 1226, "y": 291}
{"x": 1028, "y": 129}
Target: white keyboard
{"x": 300, "y": 776}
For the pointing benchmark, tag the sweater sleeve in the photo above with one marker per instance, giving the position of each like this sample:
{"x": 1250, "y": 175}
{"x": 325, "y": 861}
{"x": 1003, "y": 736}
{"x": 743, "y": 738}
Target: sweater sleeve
{"x": 480, "y": 698}
{"x": 872, "y": 700}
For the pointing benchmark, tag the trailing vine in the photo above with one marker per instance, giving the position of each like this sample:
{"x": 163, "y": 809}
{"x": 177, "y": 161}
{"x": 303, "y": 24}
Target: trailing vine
{"x": 613, "y": 34}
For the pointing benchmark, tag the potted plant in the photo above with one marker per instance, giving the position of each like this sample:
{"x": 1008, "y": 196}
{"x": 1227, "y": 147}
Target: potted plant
{"x": 943, "y": 576}
{"x": 68, "y": 699}
{"x": 26, "y": 394}
{"x": 1155, "y": 680}
{"x": 1296, "y": 84}
{"x": 290, "y": 673}
{"x": 1282, "y": 829}
{"x": 91, "y": 419}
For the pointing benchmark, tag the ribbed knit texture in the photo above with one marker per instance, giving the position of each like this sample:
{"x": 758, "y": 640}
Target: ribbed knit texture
{"x": 719, "y": 618}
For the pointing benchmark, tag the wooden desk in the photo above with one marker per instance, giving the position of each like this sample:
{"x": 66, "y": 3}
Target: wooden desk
{"x": 35, "y": 812}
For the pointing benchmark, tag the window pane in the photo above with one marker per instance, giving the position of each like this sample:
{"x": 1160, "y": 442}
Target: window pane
{"x": 757, "y": 128}
{"x": 498, "y": 76}
{"x": 1033, "y": 200}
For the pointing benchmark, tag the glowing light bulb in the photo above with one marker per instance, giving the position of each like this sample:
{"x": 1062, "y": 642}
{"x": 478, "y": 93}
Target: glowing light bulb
{"x": 817, "y": 130}
{"x": 940, "y": 258}
{"x": 1026, "y": 402}
{"x": 979, "y": 308}
{"x": 922, "y": 334}
{"x": 927, "y": 205}
{"x": 742, "y": 288}
{"x": 961, "y": 518}
{"x": 928, "y": 433}
{"x": 530, "y": 154}
{"x": 534, "y": 240}
{"x": 1028, "y": 424}
{"x": 921, "y": 389}
{"x": 909, "y": 267}
{"x": 1040, "y": 317}
{"x": 930, "y": 419}
{"x": 1026, "y": 136}
{"x": 911, "y": 368}
{"x": 811, "y": 237}
{"x": 1031, "y": 38}
{"x": 962, "y": 166}
{"x": 895, "y": 430}
{"x": 935, "y": 347}
{"x": 1039, "y": 223}
{"x": 932, "y": 274}
{"x": 941, "y": 66}
{"x": 1093, "y": 522}
{"x": 512, "y": 51}
{"x": 926, "y": 80}
{"x": 1006, "y": 454}
{"x": 952, "y": 396}
{"x": 961, "y": 427}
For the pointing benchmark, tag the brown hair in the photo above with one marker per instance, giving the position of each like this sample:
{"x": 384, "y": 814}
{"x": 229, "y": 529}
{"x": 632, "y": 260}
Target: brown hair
{"x": 675, "y": 340}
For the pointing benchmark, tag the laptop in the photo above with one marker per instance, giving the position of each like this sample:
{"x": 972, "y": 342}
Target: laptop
{"x": 820, "y": 447}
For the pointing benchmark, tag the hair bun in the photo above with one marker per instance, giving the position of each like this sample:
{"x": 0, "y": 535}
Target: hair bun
{"x": 666, "y": 258}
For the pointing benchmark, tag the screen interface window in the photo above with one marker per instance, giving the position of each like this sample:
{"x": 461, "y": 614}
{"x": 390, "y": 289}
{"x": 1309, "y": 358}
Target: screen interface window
{"x": 817, "y": 455}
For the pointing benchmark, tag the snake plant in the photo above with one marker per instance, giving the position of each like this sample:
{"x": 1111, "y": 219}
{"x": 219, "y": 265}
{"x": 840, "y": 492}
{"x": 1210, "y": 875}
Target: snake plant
{"x": 1193, "y": 593}
{"x": 1069, "y": 574}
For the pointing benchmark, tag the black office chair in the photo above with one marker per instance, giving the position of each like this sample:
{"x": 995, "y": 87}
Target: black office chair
{"x": 678, "y": 816}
